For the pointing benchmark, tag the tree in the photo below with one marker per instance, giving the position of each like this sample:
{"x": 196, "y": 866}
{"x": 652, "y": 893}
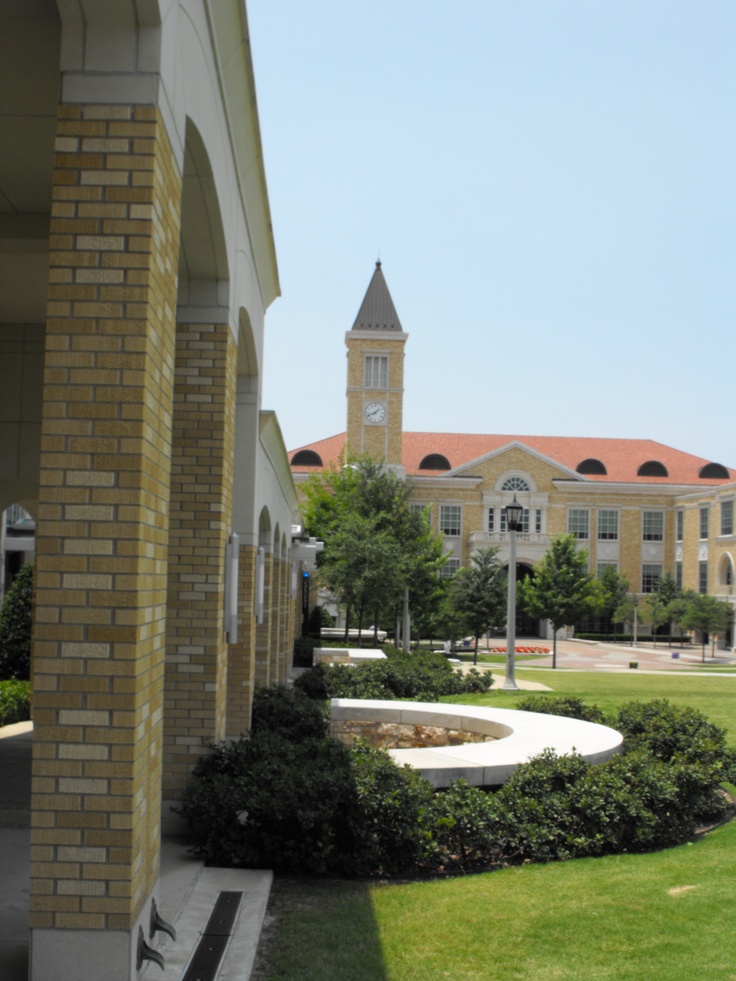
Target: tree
{"x": 706, "y": 614}
{"x": 561, "y": 589}
{"x": 670, "y": 592}
{"x": 613, "y": 588}
{"x": 15, "y": 627}
{"x": 479, "y": 594}
{"x": 376, "y": 544}
{"x": 655, "y": 611}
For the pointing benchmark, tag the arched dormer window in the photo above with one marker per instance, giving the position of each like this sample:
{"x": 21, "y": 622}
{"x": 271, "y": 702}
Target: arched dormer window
{"x": 713, "y": 470}
{"x": 435, "y": 461}
{"x": 652, "y": 468}
{"x": 306, "y": 458}
{"x": 591, "y": 466}
{"x": 515, "y": 484}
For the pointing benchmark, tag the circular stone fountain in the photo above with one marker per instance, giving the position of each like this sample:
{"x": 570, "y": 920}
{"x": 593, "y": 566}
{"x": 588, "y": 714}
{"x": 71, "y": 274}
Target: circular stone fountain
{"x": 510, "y": 737}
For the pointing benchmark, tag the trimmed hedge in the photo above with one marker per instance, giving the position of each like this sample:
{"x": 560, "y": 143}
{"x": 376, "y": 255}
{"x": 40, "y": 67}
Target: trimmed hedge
{"x": 422, "y": 676}
{"x": 292, "y": 799}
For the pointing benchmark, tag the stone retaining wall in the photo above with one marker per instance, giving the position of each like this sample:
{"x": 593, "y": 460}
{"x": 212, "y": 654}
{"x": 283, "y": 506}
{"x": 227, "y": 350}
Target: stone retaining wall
{"x": 393, "y": 735}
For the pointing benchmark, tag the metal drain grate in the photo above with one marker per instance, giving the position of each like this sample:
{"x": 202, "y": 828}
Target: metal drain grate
{"x": 206, "y": 959}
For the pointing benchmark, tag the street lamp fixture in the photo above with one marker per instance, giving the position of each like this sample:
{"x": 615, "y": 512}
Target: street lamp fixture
{"x": 513, "y": 523}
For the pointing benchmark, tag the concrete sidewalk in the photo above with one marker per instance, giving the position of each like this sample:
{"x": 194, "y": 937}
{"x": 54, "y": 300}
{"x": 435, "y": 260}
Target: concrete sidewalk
{"x": 187, "y": 891}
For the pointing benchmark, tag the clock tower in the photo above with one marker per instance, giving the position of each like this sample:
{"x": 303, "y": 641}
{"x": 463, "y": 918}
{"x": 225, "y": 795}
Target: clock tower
{"x": 375, "y": 388}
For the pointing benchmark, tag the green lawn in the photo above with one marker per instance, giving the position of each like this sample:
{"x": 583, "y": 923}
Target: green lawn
{"x": 668, "y": 915}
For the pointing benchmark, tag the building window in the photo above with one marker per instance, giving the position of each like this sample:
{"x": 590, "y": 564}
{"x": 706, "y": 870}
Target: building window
{"x": 524, "y": 520}
{"x": 449, "y": 569}
{"x": 679, "y": 525}
{"x": 653, "y": 526}
{"x": 651, "y": 574}
{"x": 577, "y": 522}
{"x": 491, "y": 519}
{"x": 515, "y": 484}
{"x": 702, "y": 577}
{"x": 608, "y": 526}
{"x": 678, "y": 574}
{"x": 538, "y": 521}
{"x": 376, "y": 371}
{"x": 602, "y": 566}
{"x": 727, "y": 517}
{"x": 703, "y": 533}
{"x": 450, "y": 515}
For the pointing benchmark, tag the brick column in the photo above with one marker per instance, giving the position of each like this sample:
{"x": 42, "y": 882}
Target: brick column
{"x": 265, "y": 673}
{"x": 241, "y": 665}
{"x": 201, "y": 516}
{"x": 102, "y": 541}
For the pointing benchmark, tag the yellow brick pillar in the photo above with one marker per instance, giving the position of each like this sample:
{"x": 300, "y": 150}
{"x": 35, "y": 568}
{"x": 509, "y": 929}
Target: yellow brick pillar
{"x": 102, "y": 541}
{"x": 241, "y": 664}
{"x": 200, "y": 522}
{"x": 285, "y": 644}
{"x": 265, "y": 672}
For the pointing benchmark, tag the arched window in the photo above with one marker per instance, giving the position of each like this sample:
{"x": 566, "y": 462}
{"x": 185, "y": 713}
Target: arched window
{"x": 652, "y": 468}
{"x": 713, "y": 470}
{"x": 435, "y": 461}
{"x": 306, "y": 458}
{"x": 515, "y": 484}
{"x": 591, "y": 465}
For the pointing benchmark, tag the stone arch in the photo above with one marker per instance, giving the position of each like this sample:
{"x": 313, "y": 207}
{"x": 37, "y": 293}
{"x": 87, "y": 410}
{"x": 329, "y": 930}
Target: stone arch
{"x": 725, "y": 570}
{"x": 203, "y": 264}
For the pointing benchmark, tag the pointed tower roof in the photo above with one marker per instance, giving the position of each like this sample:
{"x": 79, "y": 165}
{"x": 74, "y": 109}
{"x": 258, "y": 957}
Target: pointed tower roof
{"x": 377, "y": 311}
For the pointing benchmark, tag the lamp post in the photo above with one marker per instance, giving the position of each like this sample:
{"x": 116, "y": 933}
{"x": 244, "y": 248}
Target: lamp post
{"x": 513, "y": 523}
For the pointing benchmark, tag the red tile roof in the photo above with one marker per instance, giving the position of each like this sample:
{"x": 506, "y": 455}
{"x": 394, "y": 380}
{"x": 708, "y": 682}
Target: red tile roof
{"x": 621, "y": 457}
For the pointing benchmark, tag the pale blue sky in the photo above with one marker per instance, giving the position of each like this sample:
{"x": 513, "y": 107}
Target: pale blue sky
{"x": 558, "y": 171}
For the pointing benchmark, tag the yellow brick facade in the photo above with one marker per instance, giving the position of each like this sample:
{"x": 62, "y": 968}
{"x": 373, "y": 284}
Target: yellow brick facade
{"x": 103, "y": 518}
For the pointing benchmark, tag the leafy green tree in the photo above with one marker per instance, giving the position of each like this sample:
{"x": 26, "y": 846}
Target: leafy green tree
{"x": 15, "y": 627}
{"x": 612, "y": 588}
{"x": 670, "y": 592}
{"x": 707, "y": 614}
{"x": 479, "y": 594}
{"x": 560, "y": 589}
{"x": 655, "y": 611}
{"x": 678, "y": 608}
{"x": 376, "y": 544}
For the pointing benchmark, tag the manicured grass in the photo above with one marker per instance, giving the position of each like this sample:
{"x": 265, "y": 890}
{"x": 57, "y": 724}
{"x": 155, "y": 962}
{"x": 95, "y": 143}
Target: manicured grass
{"x": 666, "y": 916}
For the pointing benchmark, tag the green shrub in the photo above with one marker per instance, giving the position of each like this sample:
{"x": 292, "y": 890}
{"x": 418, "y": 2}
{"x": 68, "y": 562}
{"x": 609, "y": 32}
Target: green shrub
{"x": 390, "y": 830}
{"x": 467, "y": 830}
{"x": 567, "y": 705}
{"x": 278, "y": 709}
{"x": 15, "y": 703}
{"x": 269, "y": 802}
{"x": 15, "y": 627}
{"x": 304, "y": 652}
{"x": 294, "y": 800}
{"x": 421, "y": 676}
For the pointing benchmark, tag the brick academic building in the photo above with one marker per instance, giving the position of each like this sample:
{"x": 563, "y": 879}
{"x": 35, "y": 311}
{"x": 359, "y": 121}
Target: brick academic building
{"x": 635, "y": 504}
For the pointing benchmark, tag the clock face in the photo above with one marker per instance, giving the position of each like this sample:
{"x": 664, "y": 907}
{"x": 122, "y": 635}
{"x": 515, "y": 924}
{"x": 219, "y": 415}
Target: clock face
{"x": 374, "y": 412}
